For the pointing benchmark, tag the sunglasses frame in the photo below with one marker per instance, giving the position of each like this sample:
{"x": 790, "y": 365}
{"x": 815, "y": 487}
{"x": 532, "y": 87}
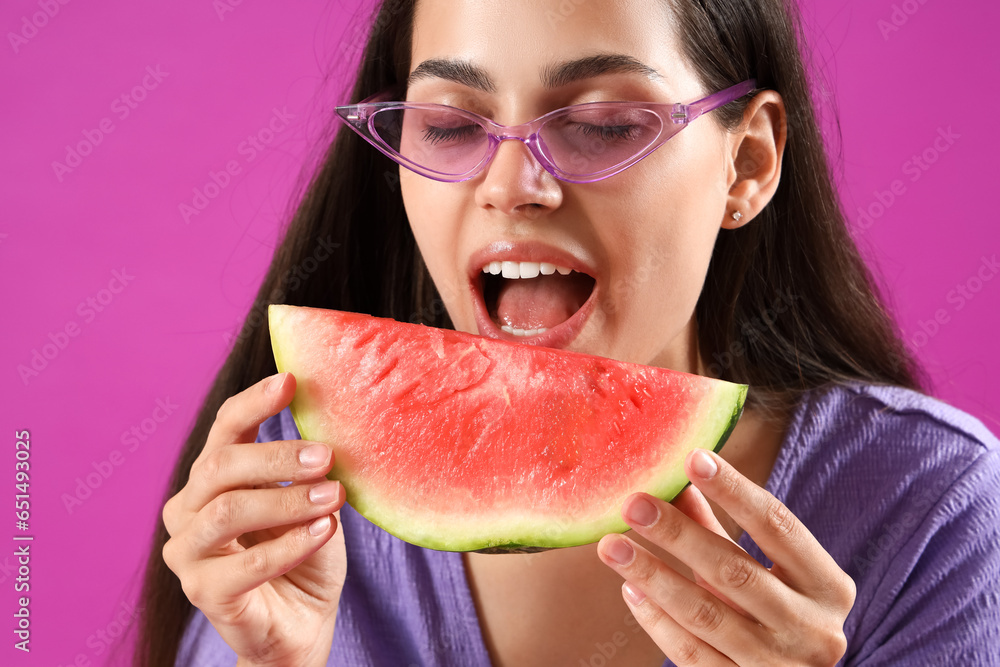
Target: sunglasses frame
{"x": 675, "y": 116}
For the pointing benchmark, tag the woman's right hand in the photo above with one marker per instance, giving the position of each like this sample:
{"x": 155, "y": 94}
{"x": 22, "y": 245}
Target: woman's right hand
{"x": 257, "y": 558}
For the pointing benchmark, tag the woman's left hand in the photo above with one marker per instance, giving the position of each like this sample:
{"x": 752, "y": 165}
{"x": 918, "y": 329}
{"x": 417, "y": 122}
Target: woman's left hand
{"x": 738, "y": 612}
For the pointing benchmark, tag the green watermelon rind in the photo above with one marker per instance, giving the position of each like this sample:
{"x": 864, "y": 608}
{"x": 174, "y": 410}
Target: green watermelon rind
{"x": 724, "y": 409}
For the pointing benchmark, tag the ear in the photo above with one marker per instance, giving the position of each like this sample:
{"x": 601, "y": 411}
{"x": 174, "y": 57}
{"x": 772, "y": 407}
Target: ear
{"x": 754, "y": 169}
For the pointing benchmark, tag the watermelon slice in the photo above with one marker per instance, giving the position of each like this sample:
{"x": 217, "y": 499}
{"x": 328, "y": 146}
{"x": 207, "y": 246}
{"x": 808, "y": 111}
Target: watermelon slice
{"x": 458, "y": 442}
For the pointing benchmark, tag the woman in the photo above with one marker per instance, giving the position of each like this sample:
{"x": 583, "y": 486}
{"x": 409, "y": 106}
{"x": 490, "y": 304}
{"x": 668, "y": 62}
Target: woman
{"x": 722, "y": 252}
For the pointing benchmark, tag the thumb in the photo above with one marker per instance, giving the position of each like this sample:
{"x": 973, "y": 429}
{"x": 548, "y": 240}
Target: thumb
{"x": 693, "y": 503}
{"x": 322, "y": 573}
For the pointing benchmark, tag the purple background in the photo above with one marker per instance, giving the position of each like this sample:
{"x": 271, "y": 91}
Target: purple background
{"x": 160, "y": 337}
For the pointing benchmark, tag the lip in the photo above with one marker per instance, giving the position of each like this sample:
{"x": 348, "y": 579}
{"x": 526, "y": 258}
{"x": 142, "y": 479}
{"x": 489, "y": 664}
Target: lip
{"x": 559, "y": 336}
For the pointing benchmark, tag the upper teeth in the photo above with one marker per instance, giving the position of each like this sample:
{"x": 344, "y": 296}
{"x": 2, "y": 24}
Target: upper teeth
{"x": 524, "y": 269}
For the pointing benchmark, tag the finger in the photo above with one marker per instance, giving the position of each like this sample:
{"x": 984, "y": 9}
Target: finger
{"x": 719, "y": 561}
{"x": 702, "y": 615}
{"x": 799, "y": 559}
{"x": 242, "y": 414}
{"x": 171, "y": 515}
{"x": 323, "y": 574}
{"x": 679, "y": 645}
{"x": 231, "y": 576}
{"x": 692, "y": 503}
{"x": 244, "y": 511}
{"x": 246, "y": 465}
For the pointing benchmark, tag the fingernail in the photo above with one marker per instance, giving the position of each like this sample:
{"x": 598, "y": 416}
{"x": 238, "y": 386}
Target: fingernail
{"x": 620, "y": 551}
{"x": 324, "y": 493}
{"x": 274, "y": 384}
{"x": 632, "y": 594}
{"x": 320, "y": 525}
{"x": 314, "y": 455}
{"x": 641, "y": 512}
{"x": 703, "y": 465}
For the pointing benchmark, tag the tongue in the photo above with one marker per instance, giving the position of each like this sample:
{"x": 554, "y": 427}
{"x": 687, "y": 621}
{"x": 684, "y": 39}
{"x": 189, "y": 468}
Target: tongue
{"x": 541, "y": 302}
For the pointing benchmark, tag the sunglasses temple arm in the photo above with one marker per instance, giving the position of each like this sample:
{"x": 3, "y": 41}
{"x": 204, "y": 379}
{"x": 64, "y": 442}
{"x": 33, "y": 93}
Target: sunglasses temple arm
{"x": 718, "y": 99}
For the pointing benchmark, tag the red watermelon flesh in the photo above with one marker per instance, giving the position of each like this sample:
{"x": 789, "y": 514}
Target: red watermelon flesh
{"x": 459, "y": 442}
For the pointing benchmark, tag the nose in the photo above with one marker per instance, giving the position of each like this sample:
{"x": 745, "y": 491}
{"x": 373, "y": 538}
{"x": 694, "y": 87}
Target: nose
{"x": 515, "y": 180}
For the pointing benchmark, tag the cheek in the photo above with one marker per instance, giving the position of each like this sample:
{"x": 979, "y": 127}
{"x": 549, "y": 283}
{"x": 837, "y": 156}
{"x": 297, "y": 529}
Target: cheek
{"x": 682, "y": 197}
{"x": 666, "y": 220}
{"x": 426, "y": 221}
{"x": 434, "y": 220}
{"x": 414, "y": 203}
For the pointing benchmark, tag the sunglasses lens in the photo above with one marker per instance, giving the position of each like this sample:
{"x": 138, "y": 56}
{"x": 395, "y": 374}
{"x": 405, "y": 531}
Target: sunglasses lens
{"x": 583, "y": 142}
{"x": 579, "y": 142}
{"x": 444, "y": 141}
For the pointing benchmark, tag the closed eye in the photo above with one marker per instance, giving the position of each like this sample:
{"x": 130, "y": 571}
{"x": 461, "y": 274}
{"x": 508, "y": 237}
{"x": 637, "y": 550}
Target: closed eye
{"x": 434, "y": 135}
{"x": 608, "y": 132}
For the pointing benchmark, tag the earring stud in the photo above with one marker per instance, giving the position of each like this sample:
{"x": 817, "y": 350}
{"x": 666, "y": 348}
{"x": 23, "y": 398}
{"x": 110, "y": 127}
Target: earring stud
{"x": 737, "y": 215}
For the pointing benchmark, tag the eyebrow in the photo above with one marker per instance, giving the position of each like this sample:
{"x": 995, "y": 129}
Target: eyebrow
{"x": 552, "y": 76}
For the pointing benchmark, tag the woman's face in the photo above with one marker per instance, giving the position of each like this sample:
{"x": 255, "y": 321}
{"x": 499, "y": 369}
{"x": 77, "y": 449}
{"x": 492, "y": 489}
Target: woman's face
{"x": 644, "y": 236}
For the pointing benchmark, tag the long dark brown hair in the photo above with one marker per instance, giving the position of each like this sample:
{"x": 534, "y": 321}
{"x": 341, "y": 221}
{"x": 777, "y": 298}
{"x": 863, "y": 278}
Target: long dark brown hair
{"x": 788, "y": 303}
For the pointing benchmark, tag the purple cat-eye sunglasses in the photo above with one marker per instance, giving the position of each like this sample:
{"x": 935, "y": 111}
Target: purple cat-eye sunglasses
{"x": 582, "y": 143}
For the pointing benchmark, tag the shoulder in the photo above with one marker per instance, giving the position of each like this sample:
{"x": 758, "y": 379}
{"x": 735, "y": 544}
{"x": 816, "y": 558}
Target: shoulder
{"x": 903, "y": 416}
{"x": 881, "y": 438}
{"x": 876, "y": 471}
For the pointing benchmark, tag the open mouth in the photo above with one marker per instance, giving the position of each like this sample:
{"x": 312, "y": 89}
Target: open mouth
{"x": 538, "y": 303}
